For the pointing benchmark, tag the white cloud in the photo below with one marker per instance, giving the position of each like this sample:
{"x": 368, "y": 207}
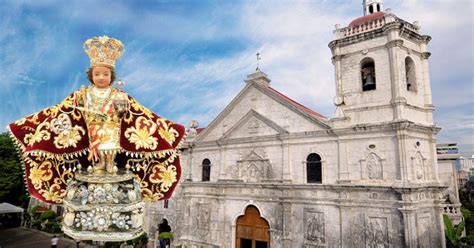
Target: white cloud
{"x": 292, "y": 37}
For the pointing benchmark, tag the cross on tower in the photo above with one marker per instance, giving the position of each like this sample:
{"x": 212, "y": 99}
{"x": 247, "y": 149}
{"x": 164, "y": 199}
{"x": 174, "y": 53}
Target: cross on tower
{"x": 258, "y": 58}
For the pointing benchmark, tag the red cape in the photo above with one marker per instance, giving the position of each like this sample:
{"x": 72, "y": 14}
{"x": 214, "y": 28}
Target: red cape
{"x": 50, "y": 156}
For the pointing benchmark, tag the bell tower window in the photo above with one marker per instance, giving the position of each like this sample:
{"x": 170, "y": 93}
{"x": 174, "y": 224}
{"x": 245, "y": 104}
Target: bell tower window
{"x": 410, "y": 74}
{"x": 313, "y": 168}
{"x": 367, "y": 71}
{"x": 206, "y": 170}
{"x": 372, "y": 6}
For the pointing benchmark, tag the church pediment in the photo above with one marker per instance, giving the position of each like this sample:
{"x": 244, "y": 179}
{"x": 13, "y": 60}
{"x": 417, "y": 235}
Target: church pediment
{"x": 253, "y": 124}
{"x": 260, "y": 109}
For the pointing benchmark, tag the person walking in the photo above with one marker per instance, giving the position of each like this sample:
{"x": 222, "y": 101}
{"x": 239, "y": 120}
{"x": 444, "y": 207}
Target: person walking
{"x": 54, "y": 242}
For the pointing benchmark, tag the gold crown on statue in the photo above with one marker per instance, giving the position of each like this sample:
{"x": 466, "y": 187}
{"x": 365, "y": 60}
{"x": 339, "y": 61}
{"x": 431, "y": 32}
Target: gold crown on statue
{"x": 103, "y": 50}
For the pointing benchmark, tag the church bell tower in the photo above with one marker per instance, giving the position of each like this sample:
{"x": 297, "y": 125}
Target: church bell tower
{"x": 383, "y": 102}
{"x": 381, "y": 67}
{"x": 372, "y": 6}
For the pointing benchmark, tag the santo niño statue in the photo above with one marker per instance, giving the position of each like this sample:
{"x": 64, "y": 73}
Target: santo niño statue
{"x": 100, "y": 153}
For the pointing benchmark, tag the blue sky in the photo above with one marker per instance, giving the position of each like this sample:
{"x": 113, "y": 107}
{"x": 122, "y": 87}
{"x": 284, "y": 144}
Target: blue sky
{"x": 187, "y": 59}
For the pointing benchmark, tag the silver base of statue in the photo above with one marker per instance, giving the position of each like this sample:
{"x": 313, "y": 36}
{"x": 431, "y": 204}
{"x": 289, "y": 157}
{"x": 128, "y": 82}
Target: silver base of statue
{"x": 103, "y": 207}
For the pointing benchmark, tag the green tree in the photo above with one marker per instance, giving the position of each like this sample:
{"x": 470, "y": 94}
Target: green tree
{"x": 453, "y": 233}
{"x": 12, "y": 189}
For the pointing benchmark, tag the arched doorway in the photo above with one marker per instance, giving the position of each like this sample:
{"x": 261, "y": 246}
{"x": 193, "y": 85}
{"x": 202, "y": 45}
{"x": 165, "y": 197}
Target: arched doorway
{"x": 252, "y": 230}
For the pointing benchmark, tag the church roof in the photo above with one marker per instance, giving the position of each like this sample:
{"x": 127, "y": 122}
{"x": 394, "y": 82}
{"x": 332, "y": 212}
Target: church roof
{"x": 260, "y": 81}
{"x": 199, "y": 130}
{"x": 367, "y": 18}
{"x": 297, "y": 104}
{"x": 288, "y": 100}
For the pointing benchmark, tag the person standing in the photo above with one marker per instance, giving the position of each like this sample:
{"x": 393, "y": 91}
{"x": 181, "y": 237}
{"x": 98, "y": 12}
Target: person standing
{"x": 165, "y": 234}
{"x": 54, "y": 242}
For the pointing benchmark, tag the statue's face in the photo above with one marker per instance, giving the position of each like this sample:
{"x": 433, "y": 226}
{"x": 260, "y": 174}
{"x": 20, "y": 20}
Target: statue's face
{"x": 101, "y": 76}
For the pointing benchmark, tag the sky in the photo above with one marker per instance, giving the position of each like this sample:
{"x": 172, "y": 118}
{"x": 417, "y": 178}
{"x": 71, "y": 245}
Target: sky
{"x": 186, "y": 60}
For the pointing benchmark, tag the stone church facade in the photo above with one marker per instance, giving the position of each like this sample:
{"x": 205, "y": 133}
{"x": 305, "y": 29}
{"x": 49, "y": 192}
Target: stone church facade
{"x": 269, "y": 172}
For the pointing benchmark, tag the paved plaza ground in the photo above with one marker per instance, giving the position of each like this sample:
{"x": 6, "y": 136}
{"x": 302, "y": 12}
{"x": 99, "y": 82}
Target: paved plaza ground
{"x": 28, "y": 238}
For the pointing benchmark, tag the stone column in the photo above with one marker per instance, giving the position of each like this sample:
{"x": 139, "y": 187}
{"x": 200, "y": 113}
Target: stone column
{"x": 438, "y": 221}
{"x": 345, "y": 222}
{"x": 222, "y": 162}
{"x": 402, "y": 156}
{"x": 393, "y": 48}
{"x": 287, "y": 225}
{"x": 336, "y": 61}
{"x": 342, "y": 161}
{"x": 286, "y": 161}
{"x": 189, "y": 163}
{"x": 427, "y": 87}
{"x": 409, "y": 220}
{"x": 434, "y": 159}
{"x": 425, "y": 69}
{"x": 222, "y": 223}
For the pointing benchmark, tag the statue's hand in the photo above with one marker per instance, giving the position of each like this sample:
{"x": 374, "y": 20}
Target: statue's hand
{"x": 121, "y": 107}
{"x": 120, "y": 103}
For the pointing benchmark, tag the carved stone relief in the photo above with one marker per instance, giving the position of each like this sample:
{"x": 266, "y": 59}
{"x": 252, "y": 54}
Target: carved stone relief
{"x": 374, "y": 167}
{"x": 371, "y": 167}
{"x": 234, "y": 171}
{"x": 377, "y": 232}
{"x": 253, "y": 126}
{"x": 418, "y": 167}
{"x": 253, "y": 172}
{"x": 418, "y": 171}
{"x": 203, "y": 218}
{"x": 314, "y": 227}
{"x": 252, "y": 167}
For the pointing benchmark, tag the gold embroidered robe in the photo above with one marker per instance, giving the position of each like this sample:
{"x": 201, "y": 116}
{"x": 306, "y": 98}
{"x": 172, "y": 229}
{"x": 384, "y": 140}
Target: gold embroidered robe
{"x": 54, "y": 141}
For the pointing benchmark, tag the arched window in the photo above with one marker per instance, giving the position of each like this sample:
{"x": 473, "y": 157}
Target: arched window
{"x": 313, "y": 168}
{"x": 378, "y": 7}
{"x": 371, "y": 9}
{"x": 367, "y": 72}
{"x": 410, "y": 74}
{"x": 206, "y": 170}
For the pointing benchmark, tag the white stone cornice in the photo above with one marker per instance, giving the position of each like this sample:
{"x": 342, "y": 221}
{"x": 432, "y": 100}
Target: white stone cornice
{"x": 394, "y": 43}
{"x": 387, "y": 126}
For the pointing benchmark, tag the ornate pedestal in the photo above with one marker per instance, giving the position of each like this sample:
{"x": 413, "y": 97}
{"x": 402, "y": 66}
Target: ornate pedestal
{"x": 106, "y": 207}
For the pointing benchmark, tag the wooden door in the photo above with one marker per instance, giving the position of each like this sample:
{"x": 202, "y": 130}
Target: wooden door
{"x": 252, "y": 230}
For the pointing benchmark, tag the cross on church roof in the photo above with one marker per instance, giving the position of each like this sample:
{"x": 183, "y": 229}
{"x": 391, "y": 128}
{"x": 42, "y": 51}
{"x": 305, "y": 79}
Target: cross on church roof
{"x": 258, "y": 58}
